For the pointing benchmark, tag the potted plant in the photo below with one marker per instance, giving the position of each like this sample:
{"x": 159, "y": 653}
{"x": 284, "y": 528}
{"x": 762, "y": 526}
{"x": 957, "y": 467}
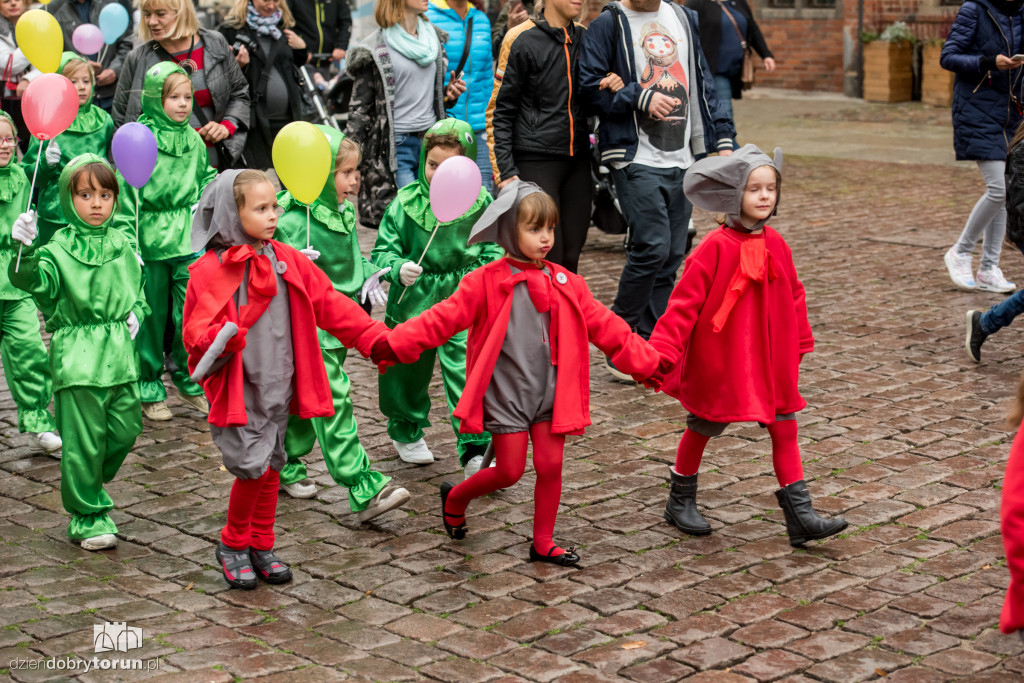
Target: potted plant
{"x": 936, "y": 82}
{"x": 888, "y": 64}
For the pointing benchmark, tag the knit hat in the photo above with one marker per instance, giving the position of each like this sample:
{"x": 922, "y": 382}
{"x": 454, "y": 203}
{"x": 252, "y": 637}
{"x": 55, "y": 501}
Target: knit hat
{"x": 717, "y": 183}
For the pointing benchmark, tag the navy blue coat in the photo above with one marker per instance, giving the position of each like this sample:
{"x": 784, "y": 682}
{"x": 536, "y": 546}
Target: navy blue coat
{"x": 986, "y": 101}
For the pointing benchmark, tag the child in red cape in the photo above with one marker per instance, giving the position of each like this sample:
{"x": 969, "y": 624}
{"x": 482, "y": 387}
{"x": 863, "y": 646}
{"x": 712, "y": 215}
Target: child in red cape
{"x": 251, "y": 312}
{"x": 734, "y": 333}
{"x": 1011, "y": 521}
{"x": 526, "y": 317}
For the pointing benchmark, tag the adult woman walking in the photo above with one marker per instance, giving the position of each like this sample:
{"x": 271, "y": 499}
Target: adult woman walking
{"x": 987, "y": 93}
{"x": 407, "y": 54}
{"x": 17, "y": 72}
{"x": 171, "y": 31}
{"x": 268, "y": 51}
{"x": 726, "y": 28}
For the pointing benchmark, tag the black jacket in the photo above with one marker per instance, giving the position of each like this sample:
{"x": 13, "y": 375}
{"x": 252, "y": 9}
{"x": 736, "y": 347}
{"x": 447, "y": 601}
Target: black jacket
{"x": 325, "y": 25}
{"x": 712, "y": 23}
{"x": 1015, "y": 196}
{"x": 535, "y": 105}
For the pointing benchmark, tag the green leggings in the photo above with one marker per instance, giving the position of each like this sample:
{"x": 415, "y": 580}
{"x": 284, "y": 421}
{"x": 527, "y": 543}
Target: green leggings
{"x": 25, "y": 364}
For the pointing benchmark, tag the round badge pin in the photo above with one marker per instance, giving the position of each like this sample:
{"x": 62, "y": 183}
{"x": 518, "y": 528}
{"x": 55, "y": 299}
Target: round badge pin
{"x": 561, "y": 279}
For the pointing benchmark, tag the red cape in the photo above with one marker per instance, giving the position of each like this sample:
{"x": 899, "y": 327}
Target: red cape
{"x": 209, "y": 303}
{"x": 1011, "y": 519}
{"x": 749, "y": 370}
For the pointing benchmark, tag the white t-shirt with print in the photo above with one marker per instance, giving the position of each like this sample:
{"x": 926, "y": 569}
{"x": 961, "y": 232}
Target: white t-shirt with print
{"x": 661, "y": 50}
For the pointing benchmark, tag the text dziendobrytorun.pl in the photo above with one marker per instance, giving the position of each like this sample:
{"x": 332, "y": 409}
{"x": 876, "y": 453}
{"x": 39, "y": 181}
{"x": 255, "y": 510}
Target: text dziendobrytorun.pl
{"x": 84, "y": 665}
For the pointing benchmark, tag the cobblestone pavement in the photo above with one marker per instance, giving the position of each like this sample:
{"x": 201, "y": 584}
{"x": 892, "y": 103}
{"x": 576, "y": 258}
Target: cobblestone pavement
{"x": 903, "y": 435}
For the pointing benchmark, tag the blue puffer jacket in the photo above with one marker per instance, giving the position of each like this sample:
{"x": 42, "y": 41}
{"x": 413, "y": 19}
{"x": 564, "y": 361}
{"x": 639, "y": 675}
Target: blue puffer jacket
{"x": 985, "y": 115}
{"x": 478, "y": 72}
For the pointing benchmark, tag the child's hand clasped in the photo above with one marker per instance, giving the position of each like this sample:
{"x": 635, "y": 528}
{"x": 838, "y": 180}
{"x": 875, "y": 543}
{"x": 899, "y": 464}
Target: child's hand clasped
{"x": 24, "y": 229}
{"x": 133, "y": 325}
{"x": 383, "y": 356}
{"x": 374, "y": 290}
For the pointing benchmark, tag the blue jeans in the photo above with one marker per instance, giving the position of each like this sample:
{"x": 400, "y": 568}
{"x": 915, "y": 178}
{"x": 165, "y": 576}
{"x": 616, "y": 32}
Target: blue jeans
{"x": 658, "y": 214}
{"x": 407, "y": 154}
{"x": 724, "y": 89}
{"x": 483, "y": 160}
{"x": 1002, "y": 314}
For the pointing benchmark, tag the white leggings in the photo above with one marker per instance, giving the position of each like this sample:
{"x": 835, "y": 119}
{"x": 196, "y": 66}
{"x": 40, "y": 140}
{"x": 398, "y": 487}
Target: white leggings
{"x": 988, "y": 217}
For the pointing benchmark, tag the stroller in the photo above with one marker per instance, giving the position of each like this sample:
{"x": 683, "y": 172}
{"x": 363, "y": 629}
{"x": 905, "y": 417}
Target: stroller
{"x": 312, "y": 93}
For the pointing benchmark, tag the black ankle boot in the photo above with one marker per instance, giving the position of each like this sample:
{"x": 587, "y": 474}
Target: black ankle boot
{"x": 803, "y": 523}
{"x": 681, "y": 508}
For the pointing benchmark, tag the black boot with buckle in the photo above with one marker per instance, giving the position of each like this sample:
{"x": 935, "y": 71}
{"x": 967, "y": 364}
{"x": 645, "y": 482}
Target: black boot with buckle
{"x": 681, "y": 509}
{"x": 803, "y": 523}
{"x": 269, "y": 566}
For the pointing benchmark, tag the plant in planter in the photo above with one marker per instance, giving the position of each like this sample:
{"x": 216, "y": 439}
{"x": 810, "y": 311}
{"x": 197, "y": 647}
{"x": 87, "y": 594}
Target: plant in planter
{"x": 888, "y": 64}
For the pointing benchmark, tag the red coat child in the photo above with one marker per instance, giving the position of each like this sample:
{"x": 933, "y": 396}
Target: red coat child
{"x": 1011, "y": 519}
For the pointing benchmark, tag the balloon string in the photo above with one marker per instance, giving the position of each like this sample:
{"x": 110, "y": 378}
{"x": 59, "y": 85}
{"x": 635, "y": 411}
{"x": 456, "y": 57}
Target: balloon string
{"x": 138, "y": 208}
{"x": 103, "y": 53}
{"x": 31, "y": 189}
{"x": 421, "y": 259}
{"x": 307, "y": 226}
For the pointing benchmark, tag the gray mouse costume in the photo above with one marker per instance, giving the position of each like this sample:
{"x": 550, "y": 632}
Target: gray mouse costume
{"x": 717, "y": 183}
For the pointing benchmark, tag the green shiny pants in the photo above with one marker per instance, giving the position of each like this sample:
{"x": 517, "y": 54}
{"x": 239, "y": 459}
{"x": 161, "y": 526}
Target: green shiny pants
{"x": 98, "y": 426}
{"x": 25, "y": 365}
{"x": 405, "y": 400}
{"x": 345, "y": 457}
{"x": 164, "y": 283}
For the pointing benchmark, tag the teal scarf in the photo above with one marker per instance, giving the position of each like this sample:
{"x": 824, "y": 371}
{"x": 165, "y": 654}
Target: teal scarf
{"x": 421, "y": 49}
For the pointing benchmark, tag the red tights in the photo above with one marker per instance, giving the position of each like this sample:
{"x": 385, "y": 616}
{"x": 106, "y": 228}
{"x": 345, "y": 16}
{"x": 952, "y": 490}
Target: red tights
{"x": 251, "y": 511}
{"x": 510, "y": 463}
{"x": 785, "y": 452}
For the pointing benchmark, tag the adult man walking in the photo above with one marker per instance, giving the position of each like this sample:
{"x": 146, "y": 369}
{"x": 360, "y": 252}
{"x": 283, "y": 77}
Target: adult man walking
{"x": 653, "y": 125}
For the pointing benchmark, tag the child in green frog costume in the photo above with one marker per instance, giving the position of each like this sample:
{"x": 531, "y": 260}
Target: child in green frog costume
{"x": 90, "y": 133}
{"x": 334, "y": 246}
{"x": 21, "y": 346}
{"x": 401, "y": 239}
{"x": 165, "y": 224}
{"x": 88, "y": 283}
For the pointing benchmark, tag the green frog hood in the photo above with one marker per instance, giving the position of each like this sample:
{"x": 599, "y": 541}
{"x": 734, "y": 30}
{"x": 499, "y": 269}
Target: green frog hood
{"x": 415, "y": 197}
{"x": 325, "y": 209}
{"x": 90, "y": 118}
{"x": 172, "y": 137}
{"x": 12, "y": 176}
{"x": 89, "y": 244}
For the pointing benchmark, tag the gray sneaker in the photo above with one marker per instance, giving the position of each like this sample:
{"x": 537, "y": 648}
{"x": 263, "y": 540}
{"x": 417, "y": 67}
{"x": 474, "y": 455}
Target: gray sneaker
{"x": 389, "y": 498}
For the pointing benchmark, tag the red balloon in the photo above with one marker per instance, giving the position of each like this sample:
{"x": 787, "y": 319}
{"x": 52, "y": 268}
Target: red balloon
{"x": 49, "y": 105}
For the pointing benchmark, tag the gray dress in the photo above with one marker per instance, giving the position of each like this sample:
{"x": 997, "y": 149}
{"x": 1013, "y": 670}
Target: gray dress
{"x": 522, "y": 388}
{"x": 268, "y": 366}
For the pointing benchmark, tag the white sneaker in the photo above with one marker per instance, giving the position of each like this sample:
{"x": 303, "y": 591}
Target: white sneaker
{"x": 99, "y": 542}
{"x": 474, "y": 465}
{"x": 992, "y": 280}
{"x": 389, "y": 498}
{"x": 300, "y": 489}
{"x": 416, "y": 453}
{"x": 48, "y": 441}
{"x": 198, "y": 402}
{"x": 959, "y": 268}
{"x": 159, "y": 412}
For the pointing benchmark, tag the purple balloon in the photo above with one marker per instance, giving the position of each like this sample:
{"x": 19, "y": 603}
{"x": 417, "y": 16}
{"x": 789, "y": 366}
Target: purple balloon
{"x": 454, "y": 188}
{"x": 134, "y": 152}
{"x": 87, "y": 39}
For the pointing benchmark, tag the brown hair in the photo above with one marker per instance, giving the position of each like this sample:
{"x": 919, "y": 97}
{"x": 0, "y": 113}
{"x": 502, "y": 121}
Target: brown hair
{"x": 240, "y": 11}
{"x": 172, "y": 82}
{"x": 387, "y": 13}
{"x": 186, "y": 23}
{"x": 245, "y": 180}
{"x": 98, "y": 174}
{"x": 347, "y": 148}
{"x": 76, "y": 65}
{"x": 445, "y": 140}
{"x": 537, "y": 208}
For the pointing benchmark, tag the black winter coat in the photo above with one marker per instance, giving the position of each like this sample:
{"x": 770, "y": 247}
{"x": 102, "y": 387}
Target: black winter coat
{"x": 325, "y": 25}
{"x": 1015, "y": 196}
{"x": 712, "y": 23}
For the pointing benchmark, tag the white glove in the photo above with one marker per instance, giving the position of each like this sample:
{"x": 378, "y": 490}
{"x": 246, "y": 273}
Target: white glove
{"x": 142, "y": 264}
{"x": 408, "y": 273}
{"x": 310, "y": 253}
{"x": 374, "y": 290}
{"x": 52, "y": 152}
{"x": 133, "y": 325}
{"x": 24, "y": 229}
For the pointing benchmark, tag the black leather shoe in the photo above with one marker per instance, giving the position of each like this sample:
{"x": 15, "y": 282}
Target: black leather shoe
{"x": 455, "y": 531}
{"x": 975, "y": 336}
{"x": 803, "y": 523}
{"x": 269, "y": 566}
{"x": 236, "y": 567}
{"x": 681, "y": 509}
{"x": 566, "y": 559}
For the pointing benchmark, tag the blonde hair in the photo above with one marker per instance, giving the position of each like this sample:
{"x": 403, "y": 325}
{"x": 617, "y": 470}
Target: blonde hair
{"x": 240, "y": 10}
{"x": 172, "y": 82}
{"x": 347, "y": 148}
{"x": 537, "y": 208}
{"x": 186, "y": 23}
{"x": 244, "y": 181}
{"x": 387, "y": 13}
{"x": 76, "y": 65}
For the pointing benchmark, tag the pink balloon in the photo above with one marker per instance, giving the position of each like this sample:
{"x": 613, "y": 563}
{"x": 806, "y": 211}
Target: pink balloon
{"x": 49, "y": 105}
{"x": 87, "y": 39}
{"x": 454, "y": 188}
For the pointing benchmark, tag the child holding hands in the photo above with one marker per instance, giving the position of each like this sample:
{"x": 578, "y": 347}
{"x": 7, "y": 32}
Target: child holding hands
{"x": 251, "y": 312}
{"x": 528, "y": 372}
{"x": 734, "y": 334}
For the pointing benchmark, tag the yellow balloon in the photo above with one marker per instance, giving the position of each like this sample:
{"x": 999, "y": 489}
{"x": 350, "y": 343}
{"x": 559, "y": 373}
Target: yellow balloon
{"x": 40, "y": 39}
{"x": 302, "y": 159}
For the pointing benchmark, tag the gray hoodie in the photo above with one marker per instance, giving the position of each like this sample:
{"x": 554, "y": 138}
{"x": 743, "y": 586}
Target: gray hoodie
{"x": 498, "y": 221}
{"x": 717, "y": 183}
{"x": 216, "y": 223}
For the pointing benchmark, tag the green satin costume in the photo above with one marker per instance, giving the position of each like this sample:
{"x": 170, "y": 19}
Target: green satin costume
{"x": 21, "y": 344}
{"x": 86, "y": 281}
{"x": 165, "y": 227}
{"x": 333, "y": 234}
{"x": 90, "y": 133}
{"x": 401, "y": 238}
